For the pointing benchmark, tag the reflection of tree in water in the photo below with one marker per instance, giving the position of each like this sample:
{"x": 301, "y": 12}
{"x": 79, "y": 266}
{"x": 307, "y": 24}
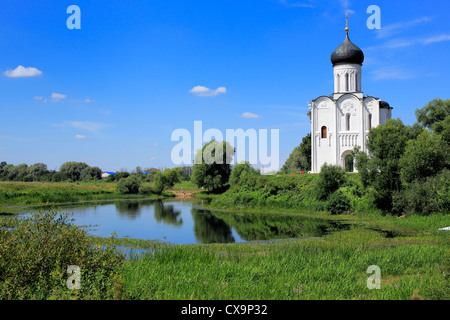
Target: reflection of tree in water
{"x": 210, "y": 229}
{"x": 166, "y": 213}
{"x": 269, "y": 226}
{"x": 132, "y": 209}
{"x": 128, "y": 209}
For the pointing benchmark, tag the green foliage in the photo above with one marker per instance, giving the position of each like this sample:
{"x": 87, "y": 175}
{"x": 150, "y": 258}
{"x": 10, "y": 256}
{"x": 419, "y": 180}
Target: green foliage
{"x": 424, "y": 197}
{"x": 173, "y": 176}
{"x": 381, "y": 170}
{"x": 91, "y": 173}
{"x": 241, "y": 171}
{"x": 423, "y": 157}
{"x": 300, "y": 158}
{"x": 212, "y": 169}
{"x": 73, "y": 169}
{"x": 36, "y": 252}
{"x": 331, "y": 178}
{"x": 338, "y": 203}
{"x": 129, "y": 185}
{"x": 270, "y": 192}
{"x": 436, "y": 111}
{"x": 160, "y": 182}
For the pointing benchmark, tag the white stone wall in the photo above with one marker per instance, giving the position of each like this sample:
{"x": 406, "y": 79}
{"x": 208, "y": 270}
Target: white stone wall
{"x": 348, "y": 120}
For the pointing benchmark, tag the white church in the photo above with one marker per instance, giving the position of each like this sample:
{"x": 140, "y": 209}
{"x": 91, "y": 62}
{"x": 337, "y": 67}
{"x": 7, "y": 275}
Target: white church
{"x": 341, "y": 121}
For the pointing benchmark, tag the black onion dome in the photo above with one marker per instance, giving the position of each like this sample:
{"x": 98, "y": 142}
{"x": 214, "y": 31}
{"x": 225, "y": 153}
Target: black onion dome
{"x": 347, "y": 52}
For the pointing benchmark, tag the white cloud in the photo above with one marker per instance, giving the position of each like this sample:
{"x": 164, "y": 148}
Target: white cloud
{"x": 391, "y": 74}
{"x": 80, "y": 136}
{"x": 21, "y": 72}
{"x": 87, "y": 126}
{"x": 153, "y": 158}
{"x": 58, "y": 96}
{"x": 443, "y": 37}
{"x": 401, "y": 43}
{"x": 38, "y": 98}
{"x": 391, "y": 29}
{"x": 206, "y": 92}
{"x": 250, "y": 115}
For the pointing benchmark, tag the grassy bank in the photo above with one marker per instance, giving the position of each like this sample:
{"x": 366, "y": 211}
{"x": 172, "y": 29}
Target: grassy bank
{"x": 411, "y": 252}
{"x": 15, "y": 195}
{"x": 333, "y": 267}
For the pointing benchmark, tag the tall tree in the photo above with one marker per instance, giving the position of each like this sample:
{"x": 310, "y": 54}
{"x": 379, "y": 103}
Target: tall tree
{"x": 436, "y": 116}
{"x": 300, "y": 157}
{"x": 213, "y": 165}
{"x": 381, "y": 169}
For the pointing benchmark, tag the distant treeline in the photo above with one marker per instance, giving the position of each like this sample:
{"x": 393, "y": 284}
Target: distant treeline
{"x": 77, "y": 171}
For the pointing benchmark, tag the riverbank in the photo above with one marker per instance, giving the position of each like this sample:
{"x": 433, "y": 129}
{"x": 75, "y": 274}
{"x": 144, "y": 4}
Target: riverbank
{"x": 411, "y": 252}
{"x": 18, "y": 197}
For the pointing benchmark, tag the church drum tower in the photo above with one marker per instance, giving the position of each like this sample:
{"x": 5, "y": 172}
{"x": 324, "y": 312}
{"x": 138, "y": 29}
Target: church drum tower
{"x": 342, "y": 121}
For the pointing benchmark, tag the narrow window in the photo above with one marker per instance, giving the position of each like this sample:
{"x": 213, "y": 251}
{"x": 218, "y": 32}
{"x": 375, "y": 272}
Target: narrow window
{"x": 324, "y": 132}
{"x": 347, "y": 122}
{"x": 347, "y": 82}
{"x": 348, "y": 163}
{"x": 370, "y": 121}
{"x": 357, "y": 82}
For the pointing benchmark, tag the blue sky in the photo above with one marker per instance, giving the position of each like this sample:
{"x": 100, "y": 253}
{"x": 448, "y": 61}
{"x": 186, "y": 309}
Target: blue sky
{"x": 112, "y": 93}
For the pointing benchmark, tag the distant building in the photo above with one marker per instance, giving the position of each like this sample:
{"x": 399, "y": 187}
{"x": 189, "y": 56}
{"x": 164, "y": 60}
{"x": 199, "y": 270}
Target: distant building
{"x": 341, "y": 121}
{"x": 107, "y": 174}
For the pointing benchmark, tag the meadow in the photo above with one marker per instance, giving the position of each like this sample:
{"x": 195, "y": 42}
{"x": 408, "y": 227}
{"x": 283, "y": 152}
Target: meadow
{"x": 411, "y": 252}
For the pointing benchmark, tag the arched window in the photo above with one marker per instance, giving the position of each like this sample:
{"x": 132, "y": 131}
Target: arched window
{"x": 324, "y": 132}
{"x": 347, "y": 122}
{"x": 370, "y": 121}
{"x": 348, "y": 163}
{"x": 347, "y": 82}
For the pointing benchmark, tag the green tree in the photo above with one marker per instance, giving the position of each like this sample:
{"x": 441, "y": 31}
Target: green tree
{"x": 159, "y": 182}
{"x": 381, "y": 169}
{"x": 37, "y": 171}
{"x": 436, "y": 116}
{"x": 91, "y": 173}
{"x": 172, "y": 177}
{"x": 434, "y": 112}
{"x": 300, "y": 157}
{"x": 212, "y": 169}
{"x": 73, "y": 169}
{"x": 331, "y": 178}
{"x": 424, "y": 156}
{"x": 242, "y": 170}
{"x": 129, "y": 185}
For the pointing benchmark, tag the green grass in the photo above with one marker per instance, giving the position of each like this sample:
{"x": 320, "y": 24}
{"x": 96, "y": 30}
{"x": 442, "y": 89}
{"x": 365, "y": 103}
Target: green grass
{"x": 18, "y": 196}
{"x": 330, "y": 268}
{"x": 414, "y": 262}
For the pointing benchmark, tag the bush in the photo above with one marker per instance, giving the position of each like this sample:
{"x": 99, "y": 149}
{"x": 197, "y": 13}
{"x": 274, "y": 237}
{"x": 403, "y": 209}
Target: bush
{"x": 36, "y": 252}
{"x": 338, "y": 203}
{"x": 145, "y": 189}
{"x": 129, "y": 185}
{"x": 331, "y": 178}
{"x": 425, "y": 197}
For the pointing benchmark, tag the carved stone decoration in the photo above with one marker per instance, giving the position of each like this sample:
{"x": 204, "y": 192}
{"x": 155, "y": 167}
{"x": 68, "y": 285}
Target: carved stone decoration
{"x": 323, "y": 105}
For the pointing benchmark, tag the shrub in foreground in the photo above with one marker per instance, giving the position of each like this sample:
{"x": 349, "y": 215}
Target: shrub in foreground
{"x": 36, "y": 252}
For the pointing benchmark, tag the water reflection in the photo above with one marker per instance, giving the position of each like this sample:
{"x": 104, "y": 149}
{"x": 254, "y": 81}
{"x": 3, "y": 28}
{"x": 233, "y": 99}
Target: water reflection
{"x": 210, "y": 229}
{"x": 166, "y": 213}
{"x": 187, "y": 222}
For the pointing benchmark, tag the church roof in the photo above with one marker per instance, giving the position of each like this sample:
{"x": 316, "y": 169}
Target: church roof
{"x": 347, "y": 52}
